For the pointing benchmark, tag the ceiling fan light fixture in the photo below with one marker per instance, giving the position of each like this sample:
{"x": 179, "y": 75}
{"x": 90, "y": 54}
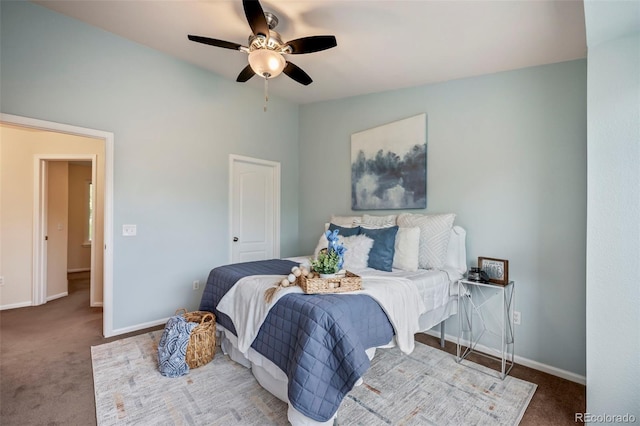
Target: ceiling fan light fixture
{"x": 267, "y": 63}
{"x": 266, "y": 49}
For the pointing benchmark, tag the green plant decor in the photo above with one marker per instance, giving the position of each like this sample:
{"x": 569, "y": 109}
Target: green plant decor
{"x": 326, "y": 263}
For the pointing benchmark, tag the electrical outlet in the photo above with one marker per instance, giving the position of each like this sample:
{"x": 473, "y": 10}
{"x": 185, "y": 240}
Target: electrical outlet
{"x": 196, "y": 284}
{"x": 129, "y": 230}
{"x": 516, "y": 317}
{"x": 1, "y": 280}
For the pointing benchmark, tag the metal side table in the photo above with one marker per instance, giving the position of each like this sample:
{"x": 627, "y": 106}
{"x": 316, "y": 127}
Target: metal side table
{"x": 486, "y": 309}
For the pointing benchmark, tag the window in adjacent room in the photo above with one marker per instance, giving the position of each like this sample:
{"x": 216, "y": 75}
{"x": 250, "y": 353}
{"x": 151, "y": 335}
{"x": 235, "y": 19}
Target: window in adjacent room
{"x": 88, "y": 221}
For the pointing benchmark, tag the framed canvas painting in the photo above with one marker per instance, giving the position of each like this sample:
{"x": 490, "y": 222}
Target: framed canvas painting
{"x": 389, "y": 166}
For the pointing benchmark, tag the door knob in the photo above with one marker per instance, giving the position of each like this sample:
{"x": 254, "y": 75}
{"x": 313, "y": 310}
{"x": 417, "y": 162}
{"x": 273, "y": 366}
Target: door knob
{"x": 235, "y": 239}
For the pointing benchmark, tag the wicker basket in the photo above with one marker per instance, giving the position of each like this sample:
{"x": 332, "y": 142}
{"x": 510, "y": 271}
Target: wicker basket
{"x": 349, "y": 282}
{"x": 202, "y": 343}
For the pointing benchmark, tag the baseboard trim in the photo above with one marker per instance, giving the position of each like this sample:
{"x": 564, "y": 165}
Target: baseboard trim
{"x": 15, "y": 305}
{"x": 554, "y": 371}
{"x": 558, "y": 372}
{"x": 71, "y": 271}
{"x": 137, "y": 327}
{"x": 57, "y": 296}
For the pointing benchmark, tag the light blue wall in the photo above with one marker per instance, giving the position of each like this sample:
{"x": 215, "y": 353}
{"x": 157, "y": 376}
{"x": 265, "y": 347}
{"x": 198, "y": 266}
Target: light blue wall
{"x": 613, "y": 231}
{"x": 507, "y": 154}
{"x": 175, "y": 126}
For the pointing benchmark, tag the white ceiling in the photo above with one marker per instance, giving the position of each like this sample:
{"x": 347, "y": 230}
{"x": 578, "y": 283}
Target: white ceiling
{"x": 382, "y": 45}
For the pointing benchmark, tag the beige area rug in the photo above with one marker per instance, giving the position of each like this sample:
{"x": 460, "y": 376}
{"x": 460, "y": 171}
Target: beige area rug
{"x": 426, "y": 387}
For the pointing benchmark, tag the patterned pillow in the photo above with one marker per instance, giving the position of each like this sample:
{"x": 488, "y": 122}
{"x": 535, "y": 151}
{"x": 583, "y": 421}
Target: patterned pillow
{"x": 357, "y": 251}
{"x": 381, "y": 254}
{"x": 434, "y": 236}
{"x": 378, "y": 221}
{"x": 407, "y": 249}
{"x": 348, "y": 221}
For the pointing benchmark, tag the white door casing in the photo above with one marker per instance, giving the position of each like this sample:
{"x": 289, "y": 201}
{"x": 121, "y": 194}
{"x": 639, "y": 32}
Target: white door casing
{"x": 57, "y": 227}
{"x": 41, "y": 232}
{"x": 40, "y": 193}
{"x": 254, "y": 209}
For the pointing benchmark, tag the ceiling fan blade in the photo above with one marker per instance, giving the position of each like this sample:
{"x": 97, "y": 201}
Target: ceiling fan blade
{"x": 245, "y": 74}
{"x": 215, "y": 42}
{"x": 296, "y": 73}
{"x": 255, "y": 16}
{"x": 312, "y": 44}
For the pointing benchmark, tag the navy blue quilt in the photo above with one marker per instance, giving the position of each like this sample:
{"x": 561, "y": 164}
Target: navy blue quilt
{"x": 319, "y": 341}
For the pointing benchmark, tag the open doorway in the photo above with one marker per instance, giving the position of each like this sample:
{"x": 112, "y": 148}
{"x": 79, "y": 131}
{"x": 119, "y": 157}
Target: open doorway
{"x": 67, "y": 210}
{"x": 17, "y": 291}
{"x": 79, "y": 228}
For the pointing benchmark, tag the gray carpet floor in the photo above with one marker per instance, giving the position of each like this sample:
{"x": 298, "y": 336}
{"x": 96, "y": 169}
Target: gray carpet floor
{"x": 46, "y": 374}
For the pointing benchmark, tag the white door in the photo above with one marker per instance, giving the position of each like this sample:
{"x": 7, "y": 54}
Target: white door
{"x": 255, "y": 209}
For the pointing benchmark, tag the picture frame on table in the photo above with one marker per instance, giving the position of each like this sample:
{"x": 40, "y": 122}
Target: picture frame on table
{"x": 496, "y": 269}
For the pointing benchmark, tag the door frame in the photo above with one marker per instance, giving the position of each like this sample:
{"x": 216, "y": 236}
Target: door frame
{"x": 233, "y": 160}
{"x": 108, "y": 137}
{"x": 40, "y": 231}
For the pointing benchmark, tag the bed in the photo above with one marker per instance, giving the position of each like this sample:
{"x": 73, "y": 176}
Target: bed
{"x": 311, "y": 350}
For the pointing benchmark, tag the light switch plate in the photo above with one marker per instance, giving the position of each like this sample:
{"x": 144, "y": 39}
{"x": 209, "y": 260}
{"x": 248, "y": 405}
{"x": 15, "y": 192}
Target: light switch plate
{"x": 129, "y": 230}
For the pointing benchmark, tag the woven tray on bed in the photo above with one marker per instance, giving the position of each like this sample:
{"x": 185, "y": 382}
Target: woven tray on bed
{"x": 340, "y": 284}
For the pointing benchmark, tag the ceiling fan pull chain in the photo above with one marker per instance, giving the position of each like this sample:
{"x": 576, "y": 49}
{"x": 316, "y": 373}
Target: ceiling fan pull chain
{"x": 266, "y": 93}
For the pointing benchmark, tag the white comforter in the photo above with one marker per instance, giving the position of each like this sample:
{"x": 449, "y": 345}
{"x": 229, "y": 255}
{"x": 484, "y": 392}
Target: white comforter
{"x": 244, "y": 303}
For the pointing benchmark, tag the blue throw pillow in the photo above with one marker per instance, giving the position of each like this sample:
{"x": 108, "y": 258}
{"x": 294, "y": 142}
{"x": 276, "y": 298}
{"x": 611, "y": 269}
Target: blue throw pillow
{"x": 343, "y": 231}
{"x": 384, "y": 241}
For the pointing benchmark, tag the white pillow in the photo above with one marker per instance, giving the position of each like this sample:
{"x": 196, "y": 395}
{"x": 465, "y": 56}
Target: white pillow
{"x": 407, "y": 249}
{"x": 357, "y": 251}
{"x": 456, "y": 250}
{"x": 322, "y": 242}
{"x": 346, "y": 221}
{"x": 379, "y": 221}
{"x": 435, "y": 230}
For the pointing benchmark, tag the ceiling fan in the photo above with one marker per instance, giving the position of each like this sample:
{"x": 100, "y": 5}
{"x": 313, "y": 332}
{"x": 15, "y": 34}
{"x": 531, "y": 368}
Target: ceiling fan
{"x": 266, "y": 49}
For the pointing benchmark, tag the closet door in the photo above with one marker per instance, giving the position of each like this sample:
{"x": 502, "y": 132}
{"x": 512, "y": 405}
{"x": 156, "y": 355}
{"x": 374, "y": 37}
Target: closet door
{"x": 255, "y": 209}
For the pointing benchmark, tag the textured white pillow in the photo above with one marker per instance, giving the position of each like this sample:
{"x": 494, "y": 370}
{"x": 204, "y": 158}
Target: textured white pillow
{"x": 407, "y": 249}
{"x": 357, "y": 254}
{"x": 434, "y": 236}
{"x": 379, "y": 221}
{"x": 346, "y": 221}
{"x": 322, "y": 242}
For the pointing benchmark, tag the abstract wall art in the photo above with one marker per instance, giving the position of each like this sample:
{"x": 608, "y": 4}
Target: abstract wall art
{"x": 389, "y": 166}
